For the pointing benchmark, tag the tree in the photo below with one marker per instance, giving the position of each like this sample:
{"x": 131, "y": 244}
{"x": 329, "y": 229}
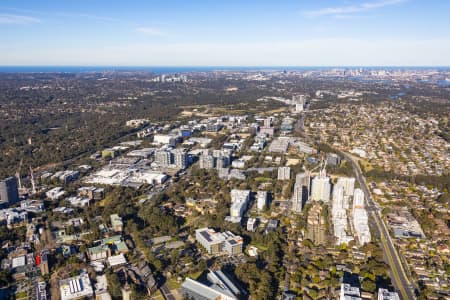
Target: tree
{"x": 368, "y": 285}
{"x": 114, "y": 287}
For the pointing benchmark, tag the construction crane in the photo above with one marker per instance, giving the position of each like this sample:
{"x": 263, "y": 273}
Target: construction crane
{"x": 33, "y": 185}
{"x": 18, "y": 174}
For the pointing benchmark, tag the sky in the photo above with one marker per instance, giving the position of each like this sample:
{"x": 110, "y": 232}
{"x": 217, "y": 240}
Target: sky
{"x": 225, "y": 33}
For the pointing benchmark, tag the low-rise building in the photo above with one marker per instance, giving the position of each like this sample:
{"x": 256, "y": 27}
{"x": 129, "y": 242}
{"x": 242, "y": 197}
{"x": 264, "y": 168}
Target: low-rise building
{"x": 77, "y": 287}
{"x": 219, "y": 242}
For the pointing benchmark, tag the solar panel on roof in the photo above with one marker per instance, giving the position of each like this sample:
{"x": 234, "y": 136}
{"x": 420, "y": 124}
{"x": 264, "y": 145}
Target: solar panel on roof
{"x": 206, "y": 236}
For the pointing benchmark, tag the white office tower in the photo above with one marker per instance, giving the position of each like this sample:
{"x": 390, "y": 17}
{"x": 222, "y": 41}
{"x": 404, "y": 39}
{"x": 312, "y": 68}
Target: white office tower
{"x": 321, "y": 187}
{"x": 239, "y": 203}
{"x": 348, "y": 183}
{"x": 298, "y": 198}
{"x": 261, "y": 200}
{"x": 284, "y": 173}
{"x": 298, "y": 107}
{"x": 358, "y": 199}
{"x": 361, "y": 225}
{"x": 384, "y": 294}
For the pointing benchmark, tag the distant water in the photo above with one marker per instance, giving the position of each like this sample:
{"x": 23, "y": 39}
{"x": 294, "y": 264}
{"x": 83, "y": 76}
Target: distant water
{"x": 165, "y": 70}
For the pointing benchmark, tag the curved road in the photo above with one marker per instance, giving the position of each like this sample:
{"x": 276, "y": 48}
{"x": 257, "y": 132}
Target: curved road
{"x": 398, "y": 275}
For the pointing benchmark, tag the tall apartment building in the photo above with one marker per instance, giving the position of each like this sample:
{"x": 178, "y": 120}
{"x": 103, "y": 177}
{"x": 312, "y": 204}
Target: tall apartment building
{"x": 219, "y": 242}
{"x": 180, "y": 158}
{"x": 239, "y": 204}
{"x": 299, "y": 197}
{"x": 321, "y": 187}
{"x": 9, "y": 193}
{"x": 304, "y": 179}
{"x": 284, "y": 173}
{"x": 360, "y": 218}
{"x": 348, "y": 183}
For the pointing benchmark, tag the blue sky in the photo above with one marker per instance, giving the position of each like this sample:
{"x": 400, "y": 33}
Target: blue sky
{"x": 225, "y": 33}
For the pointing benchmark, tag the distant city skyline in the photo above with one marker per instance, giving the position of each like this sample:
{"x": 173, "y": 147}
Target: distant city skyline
{"x": 228, "y": 33}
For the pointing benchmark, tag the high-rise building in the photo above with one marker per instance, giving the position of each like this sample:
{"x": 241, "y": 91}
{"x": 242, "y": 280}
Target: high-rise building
{"x": 360, "y": 218}
{"x": 284, "y": 173}
{"x": 239, "y": 203}
{"x": 180, "y": 158}
{"x": 299, "y": 197}
{"x": 348, "y": 183}
{"x": 9, "y": 193}
{"x": 163, "y": 158}
{"x": 303, "y": 179}
{"x": 321, "y": 187}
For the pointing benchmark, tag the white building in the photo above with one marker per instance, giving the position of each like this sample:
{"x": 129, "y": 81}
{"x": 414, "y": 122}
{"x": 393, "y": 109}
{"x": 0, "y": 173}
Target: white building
{"x": 361, "y": 225}
{"x": 76, "y": 287}
{"x": 219, "y": 242}
{"x": 252, "y": 224}
{"x": 321, "y": 187}
{"x": 261, "y": 200}
{"x": 165, "y": 139}
{"x": 358, "y": 199}
{"x": 349, "y": 292}
{"x": 339, "y": 216}
{"x": 163, "y": 158}
{"x": 284, "y": 173}
{"x": 180, "y": 158}
{"x": 55, "y": 193}
{"x": 384, "y": 294}
{"x": 348, "y": 183}
{"x": 299, "y": 197}
{"x": 239, "y": 203}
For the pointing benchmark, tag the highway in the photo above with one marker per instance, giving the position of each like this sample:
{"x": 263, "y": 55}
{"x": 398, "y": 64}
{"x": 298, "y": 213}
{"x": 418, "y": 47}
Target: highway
{"x": 398, "y": 275}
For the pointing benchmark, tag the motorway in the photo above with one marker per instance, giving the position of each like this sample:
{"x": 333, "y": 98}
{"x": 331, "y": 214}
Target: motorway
{"x": 398, "y": 275}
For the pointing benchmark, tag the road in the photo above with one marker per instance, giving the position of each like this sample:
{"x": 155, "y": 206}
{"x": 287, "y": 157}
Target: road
{"x": 398, "y": 274}
{"x": 165, "y": 291}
